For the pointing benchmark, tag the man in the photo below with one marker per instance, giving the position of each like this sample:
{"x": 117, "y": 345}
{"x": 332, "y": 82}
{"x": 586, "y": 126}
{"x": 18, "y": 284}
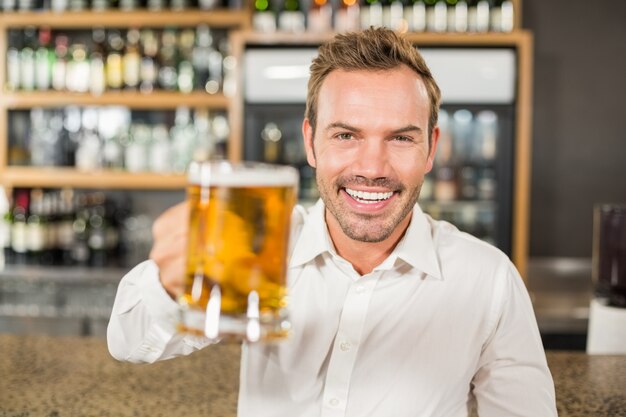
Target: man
{"x": 393, "y": 313}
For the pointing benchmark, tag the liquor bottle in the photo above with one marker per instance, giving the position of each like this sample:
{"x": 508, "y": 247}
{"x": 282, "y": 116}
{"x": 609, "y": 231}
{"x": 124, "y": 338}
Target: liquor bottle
{"x": 216, "y": 69}
{"x": 437, "y": 15}
{"x": 149, "y": 51}
{"x": 65, "y": 230}
{"x": 229, "y": 65}
{"x": 291, "y": 17}
{"x": 27, "y": 59}
{"x": 131, "y": 61}
{"x": 205, "y": 145}
{"x": 221, "y": 130}
{"x": 59, "y": 6}
{"x": 272, "y": 144}
{"x": 478, "y": 16}
{"x": 59, "y": 66}
{"x": 320, "y": 17}
{"x": 457, "y": 15}
{"x": 89, "y": 150}
{"x": 200, "y": 56}
{"x": 114, "y": 66}
{"x": 97, "y": 230}
{"x": 160, "y": 151}
{"x": 18, "y": 227}
{"x": 44, "y": 59}
{"x": 502, "y": 16}
{"x": 135, "y": 154}
{"x": 35, "y": 228}
{"x": 97, "y": 74}
{"x": 487, "y": 135}
{"x": 8, "y": 5}
{"x": 347, "y": 16}
{"x": 263, "y": 17}
{"x": 186, "y": 41}
{"x": 415, "y": 15}
{"x": 5, "y": 229}
{"x": 113, "y": 152}
{"x": 77, "y": 76}
{"x": 183, "y": 136}
{"x": 393, "y": 15}
{"x": 372, "y": 14}
{"x": 13, "y": 76}
{"x": 208, "y": 4}
{"x": 167, "y": 75}
{"x": 80, "y": 227}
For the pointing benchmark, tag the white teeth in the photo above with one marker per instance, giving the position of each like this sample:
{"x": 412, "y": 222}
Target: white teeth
{"x": 368, "y": 197}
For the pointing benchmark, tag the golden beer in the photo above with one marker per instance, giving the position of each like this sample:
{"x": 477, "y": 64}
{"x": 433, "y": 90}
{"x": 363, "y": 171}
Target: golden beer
{"x": 235, "y": 278}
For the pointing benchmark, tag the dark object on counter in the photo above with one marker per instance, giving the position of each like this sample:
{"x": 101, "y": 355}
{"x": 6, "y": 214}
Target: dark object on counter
{"x": 609, "y": 253}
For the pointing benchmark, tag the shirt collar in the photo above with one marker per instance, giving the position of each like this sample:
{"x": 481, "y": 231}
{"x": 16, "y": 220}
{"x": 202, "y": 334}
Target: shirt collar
{"x": 416, "y": 248}
{"x": 313, "y": 239}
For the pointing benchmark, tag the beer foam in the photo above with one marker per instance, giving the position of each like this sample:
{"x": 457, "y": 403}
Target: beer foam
{"x": 244, "y": 174}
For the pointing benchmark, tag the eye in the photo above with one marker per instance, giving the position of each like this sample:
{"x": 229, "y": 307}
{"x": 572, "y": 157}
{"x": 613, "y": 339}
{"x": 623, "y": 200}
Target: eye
{"x": 344, "y": 136}
{"x": 401, "y": 138}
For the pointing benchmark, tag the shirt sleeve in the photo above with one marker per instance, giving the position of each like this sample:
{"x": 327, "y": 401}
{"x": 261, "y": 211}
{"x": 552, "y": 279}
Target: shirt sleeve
{"x": 142, "y": 327}
{"x": 513, "y": 378}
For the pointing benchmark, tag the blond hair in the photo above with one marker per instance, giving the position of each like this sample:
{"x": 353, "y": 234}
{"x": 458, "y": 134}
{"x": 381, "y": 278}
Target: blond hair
{"x": 373, "y": 49}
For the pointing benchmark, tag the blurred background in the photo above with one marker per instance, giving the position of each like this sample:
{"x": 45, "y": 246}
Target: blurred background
{"x": 104, "y": 103}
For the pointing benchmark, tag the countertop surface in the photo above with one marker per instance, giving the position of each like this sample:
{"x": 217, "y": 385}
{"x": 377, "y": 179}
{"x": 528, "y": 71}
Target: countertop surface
{"x": 70, "y": 376}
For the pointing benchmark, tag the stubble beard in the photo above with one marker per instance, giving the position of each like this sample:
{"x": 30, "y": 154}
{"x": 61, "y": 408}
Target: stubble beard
{"x": 363, "y": 227}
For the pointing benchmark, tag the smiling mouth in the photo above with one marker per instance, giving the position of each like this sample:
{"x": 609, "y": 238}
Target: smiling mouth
{"x": 367, "y": 197}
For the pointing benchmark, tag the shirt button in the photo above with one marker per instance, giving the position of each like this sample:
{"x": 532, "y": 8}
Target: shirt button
{"x": 360, "y": 289}
{"x": 333, "y": 402}
{"x": 344, "y": 346}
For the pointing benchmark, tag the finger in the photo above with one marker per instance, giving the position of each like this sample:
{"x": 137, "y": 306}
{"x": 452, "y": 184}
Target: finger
{"x": 175, "y": 219}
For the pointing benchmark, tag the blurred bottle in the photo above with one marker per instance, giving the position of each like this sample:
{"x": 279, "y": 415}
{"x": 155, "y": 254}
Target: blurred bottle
{"x": 148, "y": 72}
{"x": 502, "y": 16}
{"x": 135, "y": 154}
{"x": 208, "y": 4}
{"x": 457, "y": 15}
{"x": 44, "y": 60}
{"x": 97, "y": 74}
{"x": 371, "y": 14}
{"x": 36, "y": 229}
{"x": 89, "y": 150}
{"x": 291, "y": 17}
{"x": 19, "y": 245}
{"x": 65, "y": 226}
{"x": 131, "y": 61}
{"x": 478, "y": 16}
{"x": 347, "y": 16}
{"x": 114, "y": 64}
{"x": 437, "y": 15}
{"x": 186, "y": 41}
{"x": 272, "y": 143}
{"x": 415, "y": 15}
{"x": 77, "y": 76}
{"x": 445, "y": 188}
{"x": 393, "y": 15}
{"x": 184, "y": 138}
{"x": 160, "y": 150}
{"x": 6, "y": 254}
{"x": 13, "y": 76}
{"x": 167, "y": 74}
{"x": 320, "y": 16}
{"x": 200, "y": 56}
{"x": 59, "y": 66}
{"x": 263, "y": 17}
{"x": 27, "y": 59}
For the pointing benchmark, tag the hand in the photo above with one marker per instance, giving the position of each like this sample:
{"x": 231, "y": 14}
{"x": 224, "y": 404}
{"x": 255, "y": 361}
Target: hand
{"x": 169, "y": 233}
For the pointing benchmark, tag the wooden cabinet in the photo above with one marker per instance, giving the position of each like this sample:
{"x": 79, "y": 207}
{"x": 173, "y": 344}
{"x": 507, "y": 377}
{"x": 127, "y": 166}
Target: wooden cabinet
{"x": 20, "y": 100}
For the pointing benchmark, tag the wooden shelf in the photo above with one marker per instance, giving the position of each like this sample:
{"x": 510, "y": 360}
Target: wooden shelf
{"x": 132, "y": 99}
{"x": 105, "y": 179}
{"x": 219, "y": 18}
{"x": 418, "y": 38}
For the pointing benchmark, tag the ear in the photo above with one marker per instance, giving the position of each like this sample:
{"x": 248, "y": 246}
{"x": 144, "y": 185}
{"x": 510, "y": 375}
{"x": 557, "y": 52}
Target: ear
{"x": 434, "y": 139}
{"x": 307, "y": 134}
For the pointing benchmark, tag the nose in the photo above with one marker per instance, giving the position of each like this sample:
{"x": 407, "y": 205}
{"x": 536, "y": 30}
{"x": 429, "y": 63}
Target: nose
{"x": 372, "y": 159}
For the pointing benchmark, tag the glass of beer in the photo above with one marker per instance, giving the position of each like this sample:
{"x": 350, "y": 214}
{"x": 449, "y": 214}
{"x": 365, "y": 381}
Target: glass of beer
{"x": 235, "y": 278}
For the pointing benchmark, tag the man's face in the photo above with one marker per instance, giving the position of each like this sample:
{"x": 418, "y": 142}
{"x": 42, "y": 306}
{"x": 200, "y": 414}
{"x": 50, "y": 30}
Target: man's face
{"x": 370, "y": 149}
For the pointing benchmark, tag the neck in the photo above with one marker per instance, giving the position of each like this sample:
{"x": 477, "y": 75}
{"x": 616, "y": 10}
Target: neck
{"x": 364, "y": 256}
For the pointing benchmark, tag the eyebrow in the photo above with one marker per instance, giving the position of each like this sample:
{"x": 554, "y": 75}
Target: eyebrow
{"x": 340, "y": 125}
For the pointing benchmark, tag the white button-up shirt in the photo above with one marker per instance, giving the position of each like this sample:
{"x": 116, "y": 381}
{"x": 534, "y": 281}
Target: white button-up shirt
{"x": 443, "y": 322}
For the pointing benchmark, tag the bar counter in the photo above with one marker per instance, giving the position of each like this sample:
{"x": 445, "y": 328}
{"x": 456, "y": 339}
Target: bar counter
{"x": 70, "y": 376}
